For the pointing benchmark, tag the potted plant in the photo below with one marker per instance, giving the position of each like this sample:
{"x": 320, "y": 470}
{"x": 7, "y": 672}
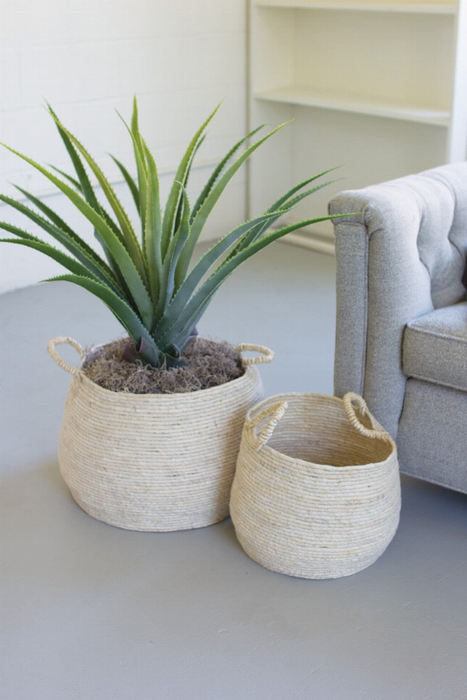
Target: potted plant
{"x": 152, "y": 461}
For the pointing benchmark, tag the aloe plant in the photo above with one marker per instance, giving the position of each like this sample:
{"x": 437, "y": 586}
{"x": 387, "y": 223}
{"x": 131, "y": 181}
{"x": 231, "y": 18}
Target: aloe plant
{"x": 148, "y": 281}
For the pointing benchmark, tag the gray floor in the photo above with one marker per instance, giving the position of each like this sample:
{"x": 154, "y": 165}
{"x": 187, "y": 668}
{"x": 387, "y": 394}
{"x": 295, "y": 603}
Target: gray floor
{"x": 91, "y": 612}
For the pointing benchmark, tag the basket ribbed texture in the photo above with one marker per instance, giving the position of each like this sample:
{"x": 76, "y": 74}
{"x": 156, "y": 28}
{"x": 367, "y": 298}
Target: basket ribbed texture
{"x": 154, "y": 462}
{"x": 312, "y": 496}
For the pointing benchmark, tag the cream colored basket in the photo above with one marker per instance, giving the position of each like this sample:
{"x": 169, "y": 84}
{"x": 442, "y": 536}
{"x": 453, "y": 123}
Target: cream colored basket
{"x": 154, "y": 462}
{"x": 317, "y": 490}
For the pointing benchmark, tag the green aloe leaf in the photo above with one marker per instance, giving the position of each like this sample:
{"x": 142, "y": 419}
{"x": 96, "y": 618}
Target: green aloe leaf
{"x": 53, "y": 216}
{"x": 184, "y": 184}
{"x": 122, "y": 217}
{"x": 77, "y": 185}
{"x": 218, "y": 170}
{"x": 282, "y": 200}
{"x": 141, "y": 165}
{"x": 173, "y": 201}
{"x": 119, "y": 307}
{"x": 64, "y": 235}
{"x": 80, "y": 170}
{"x": 283, "y": 205}
{"x": 178, "y": 337}
{"x": 88, "y": 193}
{"x": 68, "y": 262}
{"x": 50, "y": 214}
{"x": 192, "y": 312}
{"x": 187, "y": 289}
{"x": 133, "y": 187}
{"x": 298, "y": 198}
{"x": 209, "y": 203}
{"x": 171, "y": 259}
{"x": 153, "y": 227}
{"x": 18, "y": 231}
{"x": 117, "y": 249}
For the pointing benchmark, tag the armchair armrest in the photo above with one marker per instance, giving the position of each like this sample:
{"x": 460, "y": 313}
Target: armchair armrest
{"x": 398, "y": 257}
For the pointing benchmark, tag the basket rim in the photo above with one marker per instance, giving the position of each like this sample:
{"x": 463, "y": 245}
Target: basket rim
{"x": 251, "y": 372}
{"x": 303, "y": 462}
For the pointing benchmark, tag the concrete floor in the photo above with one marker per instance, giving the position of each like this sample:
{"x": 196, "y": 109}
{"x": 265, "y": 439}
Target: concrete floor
{"x": 91, "y": 612}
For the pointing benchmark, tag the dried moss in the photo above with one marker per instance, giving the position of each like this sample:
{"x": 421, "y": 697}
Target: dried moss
{"x": 209, "y": 364}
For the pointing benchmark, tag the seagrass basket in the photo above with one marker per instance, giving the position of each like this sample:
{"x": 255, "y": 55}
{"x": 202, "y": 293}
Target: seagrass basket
{"x": 316, "y": 493}
{"x": 154, "y": 462}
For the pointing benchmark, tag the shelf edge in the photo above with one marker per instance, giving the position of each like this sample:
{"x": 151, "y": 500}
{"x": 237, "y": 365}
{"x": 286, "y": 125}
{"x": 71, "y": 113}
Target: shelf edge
{"x": 401, "y": 8}
{"x": 441, "y": 119}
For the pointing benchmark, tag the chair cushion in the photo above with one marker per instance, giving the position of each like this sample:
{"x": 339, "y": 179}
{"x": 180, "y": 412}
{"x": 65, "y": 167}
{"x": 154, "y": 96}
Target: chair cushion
{"x": 435, "y": 347}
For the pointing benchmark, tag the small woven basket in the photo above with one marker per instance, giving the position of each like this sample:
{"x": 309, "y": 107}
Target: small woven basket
{"x": 317, "y": 489}
{"x": 154, "y": 462}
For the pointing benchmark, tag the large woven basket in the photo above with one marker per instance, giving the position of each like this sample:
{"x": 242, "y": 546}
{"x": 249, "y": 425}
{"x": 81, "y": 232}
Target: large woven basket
{"x": 317, "y": 490}
{"x": 154, "y": 462}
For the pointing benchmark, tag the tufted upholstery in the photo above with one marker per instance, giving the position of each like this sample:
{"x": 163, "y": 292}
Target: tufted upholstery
{"x": 400, "y": 257}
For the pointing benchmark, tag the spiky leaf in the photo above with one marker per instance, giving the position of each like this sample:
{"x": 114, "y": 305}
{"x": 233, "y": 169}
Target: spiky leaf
{"x": 218, "y": 170}
{"x": 187, "y": 289}
{"x": 74, "y": 181}
{"x": 209, "y": 203}
{"x": 65, "y": 235}
{"x": 171, "y": 259}
{"x": 153, "y": 227}
{"x": 133, "y": 187}
{"x": 122, "y": 217}
{"x": 141, "y": 165}
{"x": 68, "y": 262}
{"x": 118, "y": 251}
{"x": 173, "y": 201}
{"x": 119, "y": 307}
{"x": 197, "y": 305}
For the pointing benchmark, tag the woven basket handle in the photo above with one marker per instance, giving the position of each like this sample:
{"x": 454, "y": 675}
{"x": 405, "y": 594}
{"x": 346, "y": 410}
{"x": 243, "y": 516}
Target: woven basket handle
{"x": 377, "y": 432}
{"x": 61, "y": 363}
{"x": 266, "y": 355}
{"x": 274, "y": 413}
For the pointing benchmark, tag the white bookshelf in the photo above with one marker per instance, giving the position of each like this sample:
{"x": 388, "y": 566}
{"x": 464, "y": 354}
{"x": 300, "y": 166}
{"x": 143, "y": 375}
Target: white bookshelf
{"x": 379, "y": 88}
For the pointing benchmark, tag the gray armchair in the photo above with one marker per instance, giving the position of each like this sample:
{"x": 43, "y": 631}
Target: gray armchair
{"x": 401, "y": 337}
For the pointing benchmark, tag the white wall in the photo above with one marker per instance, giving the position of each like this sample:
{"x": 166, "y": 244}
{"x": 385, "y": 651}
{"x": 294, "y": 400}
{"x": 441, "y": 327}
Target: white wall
{"x": 88, "y": 58}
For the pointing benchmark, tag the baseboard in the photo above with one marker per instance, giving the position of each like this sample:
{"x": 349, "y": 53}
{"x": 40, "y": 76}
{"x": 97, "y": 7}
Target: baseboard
{"x": 313, "y": 238}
